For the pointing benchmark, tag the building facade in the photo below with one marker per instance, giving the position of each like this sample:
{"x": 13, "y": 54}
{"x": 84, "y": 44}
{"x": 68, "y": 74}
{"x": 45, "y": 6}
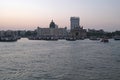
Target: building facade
{"x": 78, "y": 33}
{"x": 52, "y": 31}
{"x": 52, "y": 24}
{"x": 76, "y": 30}
{"x": 74, "y": 22}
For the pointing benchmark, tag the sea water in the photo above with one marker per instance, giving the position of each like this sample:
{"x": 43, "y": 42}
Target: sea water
{"x": 59, "y": 60}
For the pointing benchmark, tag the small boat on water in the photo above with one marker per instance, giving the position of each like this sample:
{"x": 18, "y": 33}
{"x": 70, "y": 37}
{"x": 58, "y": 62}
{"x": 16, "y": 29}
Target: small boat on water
{"x": 43, "y": 38}
{"x": 94, "y": 38}
{"x": 32, "y": 38}
{"x": 105, "y": 40}
{"x": 51, "y": 38}
{"x": 116, "y": 37}
{"x": 71, "y": 39}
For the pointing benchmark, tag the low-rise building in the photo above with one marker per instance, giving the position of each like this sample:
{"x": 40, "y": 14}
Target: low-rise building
{"x": 78, "y": 33}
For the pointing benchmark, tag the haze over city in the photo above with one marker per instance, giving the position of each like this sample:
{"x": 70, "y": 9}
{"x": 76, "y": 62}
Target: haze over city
{"x": 28, "y": 14}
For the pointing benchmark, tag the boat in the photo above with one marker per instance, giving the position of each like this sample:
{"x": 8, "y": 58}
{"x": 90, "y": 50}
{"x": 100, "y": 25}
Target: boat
{"x": 32, "y": 38}
{"x": 82, "y": 38}
{"x": 51, "y": 38}
{"x": 94, "y": 38}
{"x": 71, "y": 39}
{"x": 105, "y": 40}
{"x": 116, "y": 37}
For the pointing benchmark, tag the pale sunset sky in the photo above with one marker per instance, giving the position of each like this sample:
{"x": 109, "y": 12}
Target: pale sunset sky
{"x": 28, "y": 14}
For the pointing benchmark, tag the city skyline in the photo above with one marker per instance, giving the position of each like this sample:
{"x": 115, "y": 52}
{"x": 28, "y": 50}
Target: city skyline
{"x": 28, "y": 14}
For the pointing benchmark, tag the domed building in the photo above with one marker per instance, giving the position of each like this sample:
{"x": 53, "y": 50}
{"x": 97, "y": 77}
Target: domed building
{"x": 52, "y": 24}
{"x": 52, "y": 31}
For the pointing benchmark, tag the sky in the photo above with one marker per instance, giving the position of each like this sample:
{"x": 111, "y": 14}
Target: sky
{"x": 28, "y": 14}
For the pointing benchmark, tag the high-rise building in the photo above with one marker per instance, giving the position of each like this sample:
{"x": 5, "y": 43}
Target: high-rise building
{"x": 74, "y": 22}
{"x": 76, "y": 31}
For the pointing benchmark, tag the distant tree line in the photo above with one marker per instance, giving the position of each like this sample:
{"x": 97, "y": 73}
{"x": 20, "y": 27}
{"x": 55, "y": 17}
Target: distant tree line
{"x": 27, "y": 33}
{"x": 102, "y": 33}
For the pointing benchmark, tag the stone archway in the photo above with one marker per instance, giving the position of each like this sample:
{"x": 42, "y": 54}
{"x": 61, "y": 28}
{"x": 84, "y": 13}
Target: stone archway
{"x": 76, "y": 34}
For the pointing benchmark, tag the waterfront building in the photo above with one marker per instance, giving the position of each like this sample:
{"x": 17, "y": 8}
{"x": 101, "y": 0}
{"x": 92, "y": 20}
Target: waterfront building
{"x": 78, "y": 33}
{"x": 76, "y": 30}
{"x": 52, "y": 24}
{"x": 52, "y": 31}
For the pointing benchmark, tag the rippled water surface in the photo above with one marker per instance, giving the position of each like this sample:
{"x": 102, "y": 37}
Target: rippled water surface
{"x": 60, "y": 60}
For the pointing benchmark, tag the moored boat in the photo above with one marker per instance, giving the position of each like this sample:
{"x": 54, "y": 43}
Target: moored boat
{"x": 71, "y": 39}
{"x": 94, "y": 38}
{"x": 116, "y": 37}
{"x": 105, "y": 40}
{"x": 51, "y": 38}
